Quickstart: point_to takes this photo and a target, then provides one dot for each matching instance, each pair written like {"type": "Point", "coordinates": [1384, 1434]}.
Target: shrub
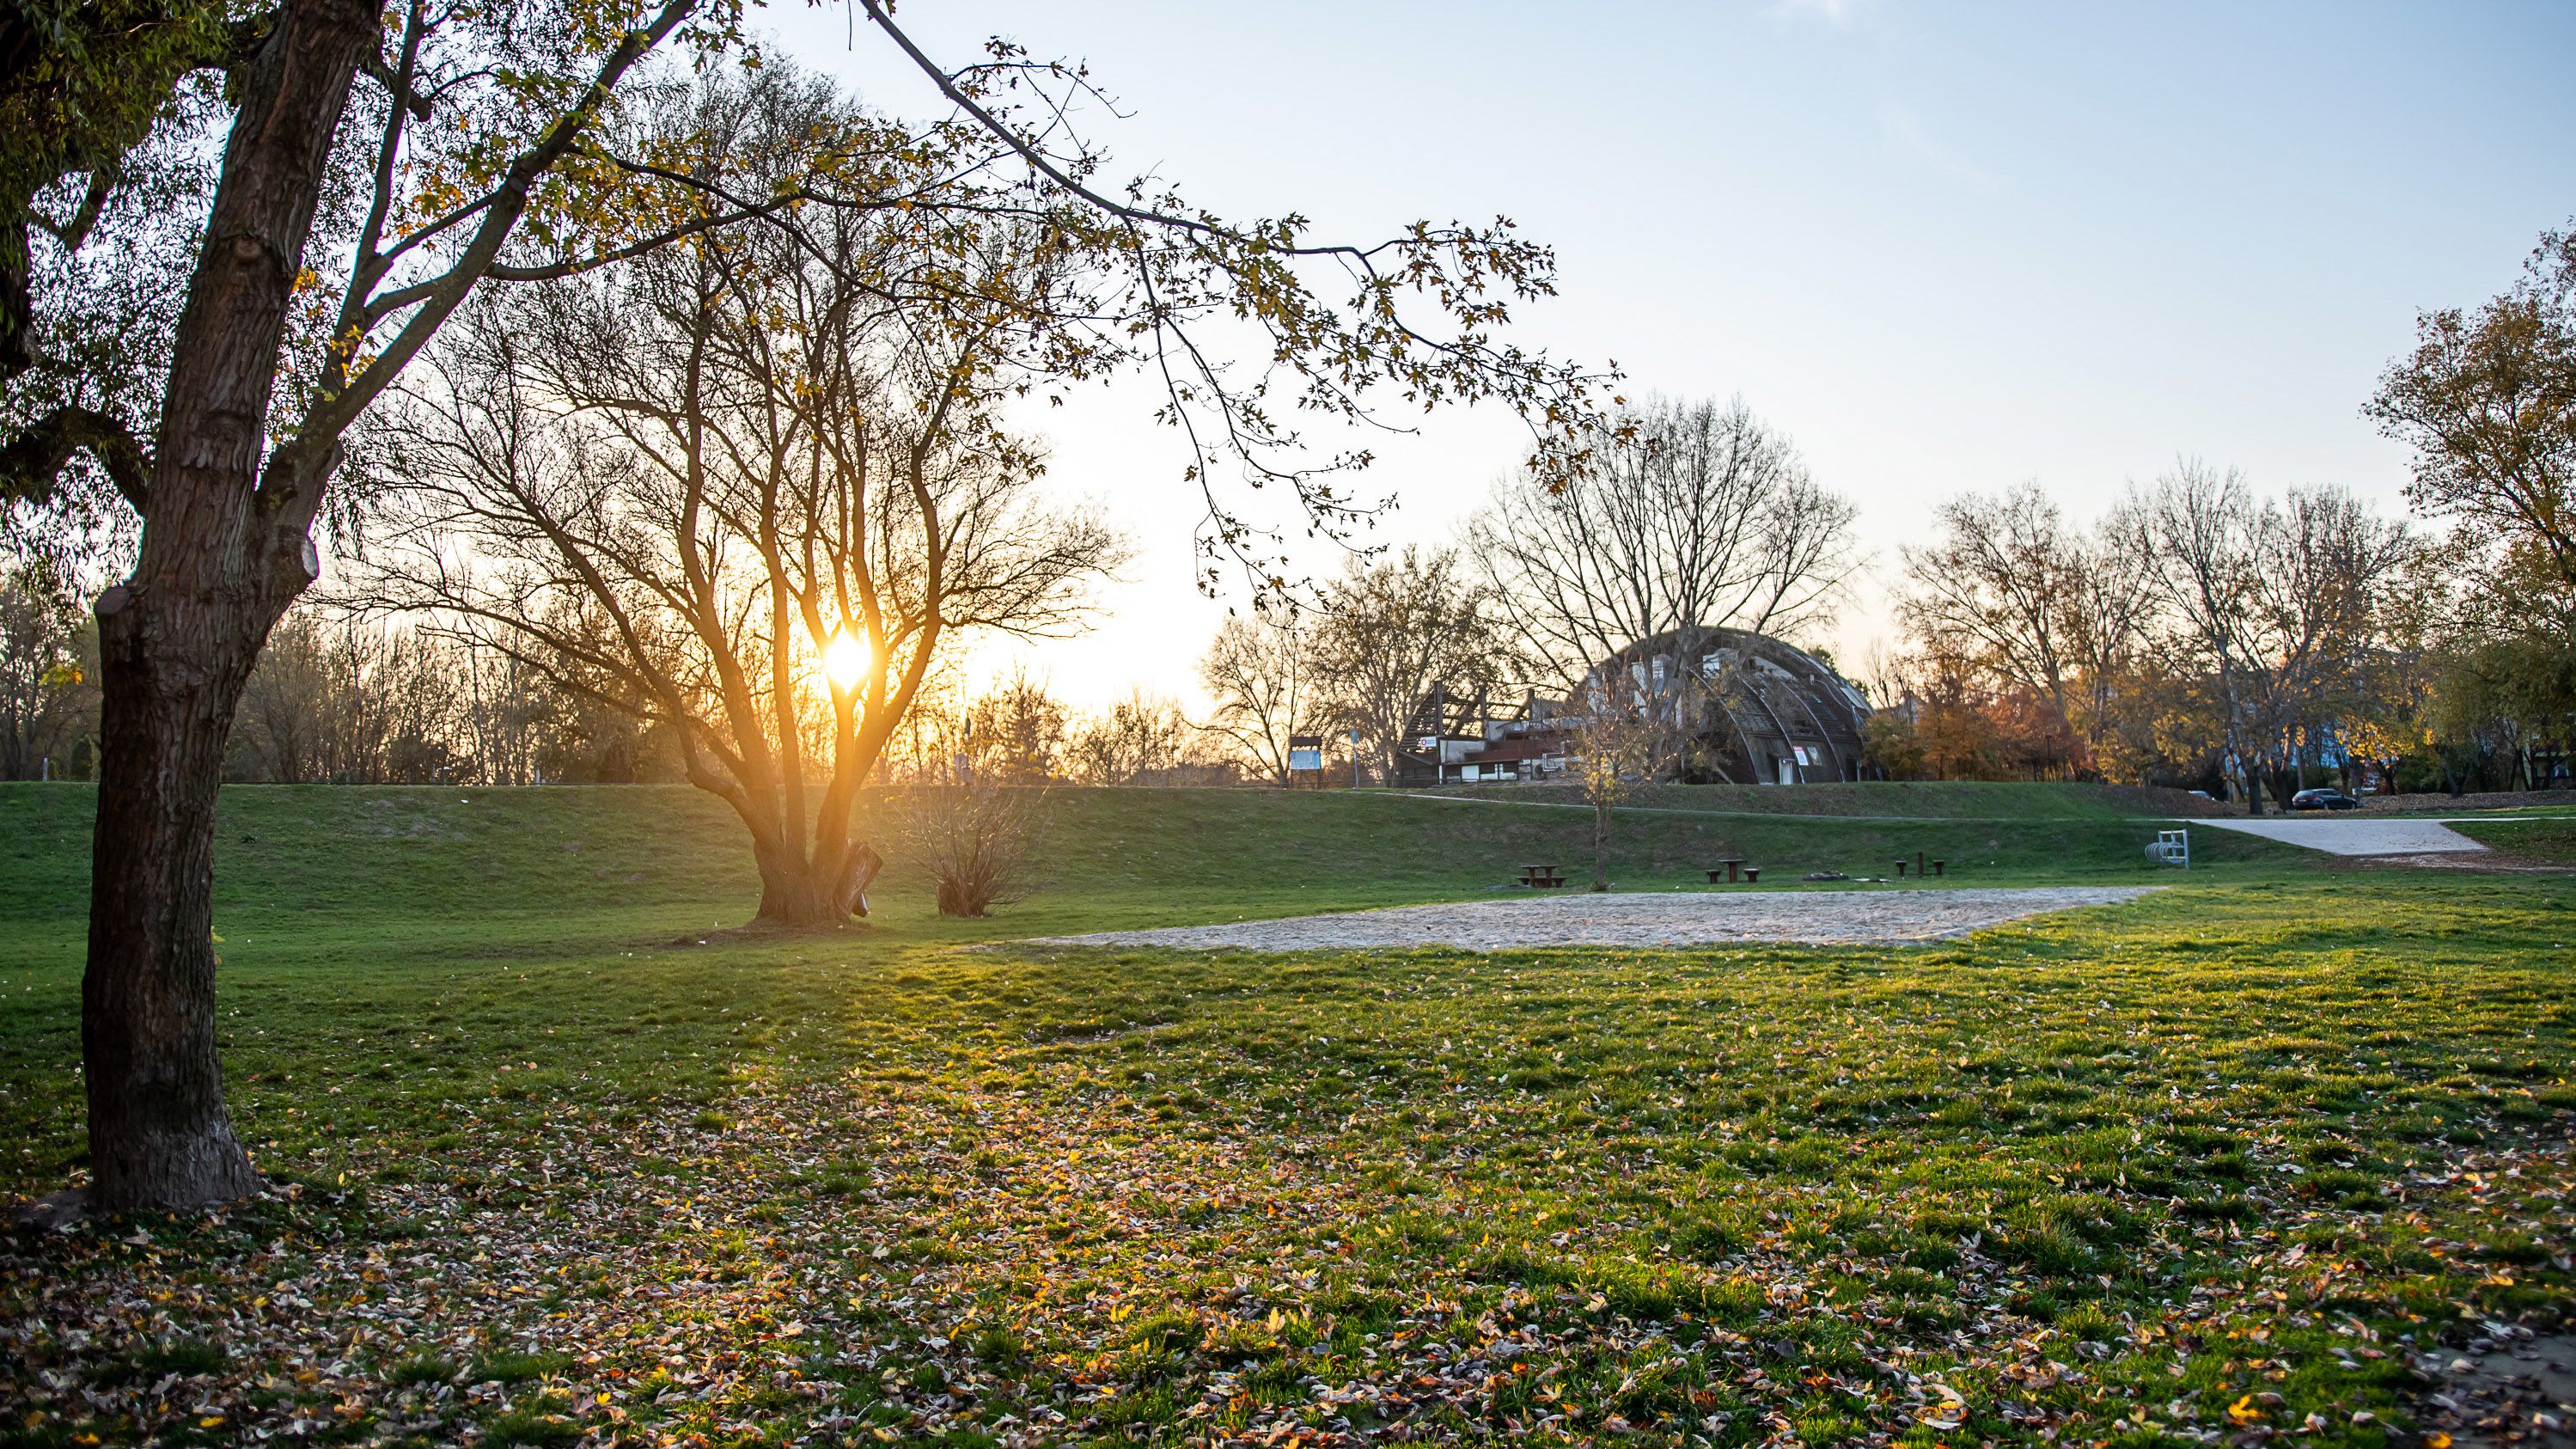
{"type": "Point", "coordinates": [974, 835]}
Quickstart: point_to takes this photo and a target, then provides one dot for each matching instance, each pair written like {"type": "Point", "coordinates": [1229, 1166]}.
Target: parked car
{"type": "Point", "coordinates": [2323, 799]}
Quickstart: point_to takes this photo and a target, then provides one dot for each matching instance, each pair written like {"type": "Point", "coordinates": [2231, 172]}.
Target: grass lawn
{"type": "Point", "coordinates": [2548, 838]}
{"type": "Point", "coordinates": [2226, 1163]}
{"type": "Point", "coordinates": [1927, 800]}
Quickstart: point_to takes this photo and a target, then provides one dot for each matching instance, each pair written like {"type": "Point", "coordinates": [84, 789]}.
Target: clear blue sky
{"type": "Point", "coordinates": [1945, 246]}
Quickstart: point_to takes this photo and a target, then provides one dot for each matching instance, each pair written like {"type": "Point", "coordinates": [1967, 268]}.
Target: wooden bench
{"type": "Point", "coordinates": [1541, 877]}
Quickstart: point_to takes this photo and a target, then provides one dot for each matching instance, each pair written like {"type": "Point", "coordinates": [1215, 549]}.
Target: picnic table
{"type": "Point", "coordinates": [1541, 877]}
{"type": "Point", "coordinates": [1732, 865]}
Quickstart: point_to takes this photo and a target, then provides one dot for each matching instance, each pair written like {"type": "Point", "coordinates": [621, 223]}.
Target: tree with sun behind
{"type": "Point", "coordinates": [725, 487]}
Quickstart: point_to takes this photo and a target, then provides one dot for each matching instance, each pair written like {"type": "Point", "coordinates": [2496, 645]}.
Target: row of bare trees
{"type": "Point", "coordinates": [2201, 630]}
{"type": "Point", "coordinates": [340, 698]}
{"type": "Point", "coordinates": [1016, 731]}
{"type": "Point", "coordinates": [2197, 626]}
{"type": "Point", "coordinates": [1379, 636]}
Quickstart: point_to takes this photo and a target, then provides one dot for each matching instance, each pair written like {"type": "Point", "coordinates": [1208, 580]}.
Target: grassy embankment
{"type": "Point", "coordinates": [2224, 1158]}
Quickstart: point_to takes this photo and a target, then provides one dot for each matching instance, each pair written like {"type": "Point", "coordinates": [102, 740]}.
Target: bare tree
{"type": "Point", "coordinates": [47, 688]}
{"type": "Point", "coordinates": [347, 702]}
{"type": "Point", "coordinates": [511, 713]}
{"type": "Point", "coordinates": [1616, 744]}
{"type": "Point", "coordinates": [1016, 731]}
{"type": "Point", "coordinates": [1394, 627]}
{"type": "Point", "coordinates": [1686, 518]}
{"type": "Point", "coordinates": [2008, 588]}
{"type": "Point", "coordinates": [1262, 672]}
{"type": "Point", "coordinates": [51, 560]}
{"type": "Point", "coordinates": [778, 496]}
{"type": "Point", "coordinates": [284, 703]}
{"type": "Point", "coordinates": [1139, 740]}
{"type": "Point", "coordinates": [2273, 606]}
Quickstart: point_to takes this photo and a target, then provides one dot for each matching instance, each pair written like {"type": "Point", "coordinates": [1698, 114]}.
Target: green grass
{"type": "Point", "coordinates": [2106, 1175]}
{"type": "Point", "coordinates": [1890, 799]}
{"type": "Point", "coordinates": [2550, 839]}
{"type": "Point", "coordinates": [1114, 857]}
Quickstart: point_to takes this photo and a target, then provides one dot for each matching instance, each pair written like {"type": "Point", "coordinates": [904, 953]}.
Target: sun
{"type": "Point", "coordinates": [845, 658]}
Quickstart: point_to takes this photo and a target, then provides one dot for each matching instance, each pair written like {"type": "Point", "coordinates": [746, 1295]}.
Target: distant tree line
{"type": "Point", "coordinates": [2205, 633]}
{"type": "Point", "coordinates": [345, 699]}
{"type": "Point", "coordinates": [2201, 633]}
{"type": "Point", "coordinates": [414, 670]}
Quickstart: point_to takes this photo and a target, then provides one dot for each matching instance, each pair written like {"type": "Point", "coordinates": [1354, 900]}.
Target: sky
{"type": "Point", "coordinates": [1942, 246]}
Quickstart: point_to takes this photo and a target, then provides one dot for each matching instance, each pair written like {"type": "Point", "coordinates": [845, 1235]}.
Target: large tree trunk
{"type": "Point", "coordinates": [177, 639]}
{"type": "Point", "coordinates": [826, 890]}
{"type": "Point", "coordinates": [159, 1135]}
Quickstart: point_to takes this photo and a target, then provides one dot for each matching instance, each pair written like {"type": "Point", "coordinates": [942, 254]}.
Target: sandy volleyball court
{"type": "Point", "coordinates": [1671, 918]}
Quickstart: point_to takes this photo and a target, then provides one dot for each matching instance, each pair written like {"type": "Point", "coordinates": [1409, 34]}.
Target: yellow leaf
{"type": "Point", "coordinates": [2244, 1412]}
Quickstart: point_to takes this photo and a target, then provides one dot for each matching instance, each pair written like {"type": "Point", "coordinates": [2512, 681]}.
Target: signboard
{"type": "Point", "coordinates": [1305, 752]}
{"type": "Point", "coordinates": [1801, 751]}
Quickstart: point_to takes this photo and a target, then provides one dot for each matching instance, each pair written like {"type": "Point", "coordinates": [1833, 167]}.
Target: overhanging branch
{"type": "Point", "coordinates": [31, 465]}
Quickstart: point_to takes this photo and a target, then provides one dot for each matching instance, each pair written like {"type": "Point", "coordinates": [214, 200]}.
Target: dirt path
{"type": "Point", "coordinates": [1677, 918]}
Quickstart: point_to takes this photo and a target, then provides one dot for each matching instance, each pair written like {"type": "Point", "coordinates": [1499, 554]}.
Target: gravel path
{"type": "Point", "coordinates": [2355, 834]}
{"type": "Point", "coordinates": [1673, 918]}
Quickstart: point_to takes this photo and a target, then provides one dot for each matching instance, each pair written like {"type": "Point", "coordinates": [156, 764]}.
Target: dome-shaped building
{"type": "Point", "coordinates": [1758, 712]}
{"type": "Point", "coordinates": [1763, 711]}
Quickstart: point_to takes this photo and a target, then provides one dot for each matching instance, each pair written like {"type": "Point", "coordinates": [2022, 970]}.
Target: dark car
{"type": "Point", "coordinates": [2323, 800]}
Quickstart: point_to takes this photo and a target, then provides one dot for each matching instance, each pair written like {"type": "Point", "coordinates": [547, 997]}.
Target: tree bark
{"type": "Point", "coordinates": [218, 565]}
{"type": "Point", "coordinates": [826, 890]}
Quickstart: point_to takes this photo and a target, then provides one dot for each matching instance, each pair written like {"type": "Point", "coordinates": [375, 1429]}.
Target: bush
{"type": "Point", "coordinates": [975, 836]}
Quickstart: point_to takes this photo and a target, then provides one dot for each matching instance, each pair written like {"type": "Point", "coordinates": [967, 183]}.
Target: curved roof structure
{"type": "Point", "coordinates": [1767, 712]}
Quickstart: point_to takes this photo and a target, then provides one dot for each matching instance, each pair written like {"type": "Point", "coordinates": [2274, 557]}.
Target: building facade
{"type": "Point", "coordinates": [1755, 710]}
{"type": "Point", "coordinates": [1744, 708]}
